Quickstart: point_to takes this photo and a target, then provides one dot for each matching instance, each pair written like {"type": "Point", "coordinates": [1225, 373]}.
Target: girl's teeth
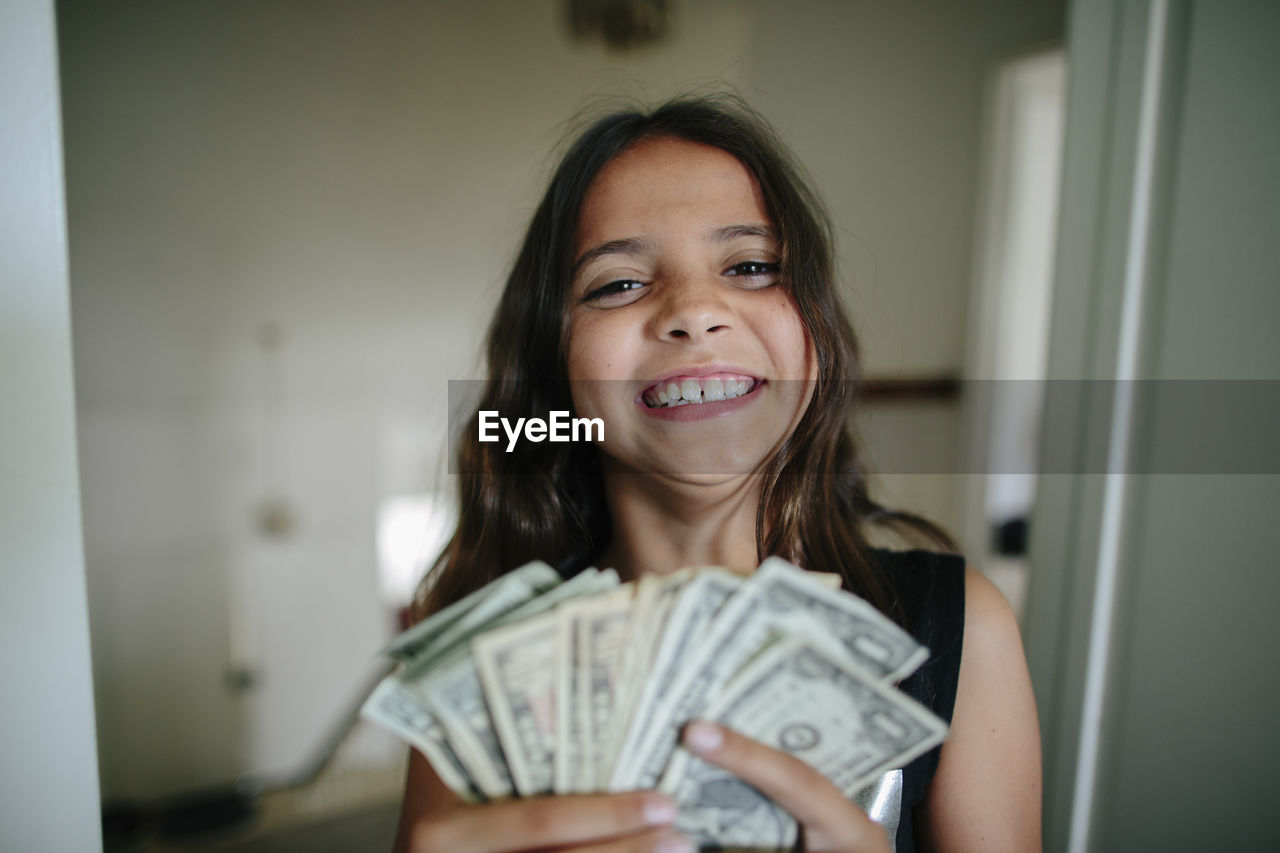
{"type": "Point", "coordinates": [692, 391]}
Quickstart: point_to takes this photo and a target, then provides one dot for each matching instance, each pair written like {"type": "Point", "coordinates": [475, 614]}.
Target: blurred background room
{"type": "Point", "coordinates": [287, 223]}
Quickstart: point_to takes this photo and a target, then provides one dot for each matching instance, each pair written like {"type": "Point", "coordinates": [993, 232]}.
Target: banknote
{"type": "Point", "coordinates": [602, 632]}
{"type": "Point", "coordinates": [569, 775]}
{"type": "Point", "coordinates": [396, 708]}
{"type": "Point", "coordinates": [450, 688]}
{"type": "Point", "coordinates": [803, 602]}
{"type": "Point", "coordinates": [655, 595]}
{"type": "Point", "coordinates": [453, 693]}
{"type": "Point", "coordinates": [821, 707]}
{"type": "Point", "coordinates": [399, 711]}
{"type": "Point", "coordinates": [435, 634]}
{"type": "Point", "coordinates": [535, 685]}
{"type": "Point", "coordinates": [517, 666]}
{"type": "Point", "coordinates": [778, 599]}
{"type": "Point", "coordinates": [590, 634]}
{"type": "Point", "coordinates": [696, 605]}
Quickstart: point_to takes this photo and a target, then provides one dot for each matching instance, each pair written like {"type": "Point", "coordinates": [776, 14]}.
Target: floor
{"type": "Point", "coordinates": [346, 809]}
{"type": "Point", "coordinates": [371, 829]}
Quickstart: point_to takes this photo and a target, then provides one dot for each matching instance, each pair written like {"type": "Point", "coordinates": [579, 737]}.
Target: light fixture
{"type": "Point", "coordinates": [623, 24]}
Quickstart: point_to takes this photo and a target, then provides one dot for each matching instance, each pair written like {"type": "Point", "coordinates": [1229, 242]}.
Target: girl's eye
{"type": "Point", "coordinates": [762, 272]}
{"type": "Point", "coordinates": [615, 292]}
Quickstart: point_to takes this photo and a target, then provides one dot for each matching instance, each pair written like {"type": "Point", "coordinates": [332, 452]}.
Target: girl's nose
{"type": "Point", "coordinates": [692, 312]}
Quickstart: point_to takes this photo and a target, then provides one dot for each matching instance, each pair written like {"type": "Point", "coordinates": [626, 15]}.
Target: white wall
{"type": "Point", "coordinates": [357, 177]}
{"type": "Point", "coordinates": [1190, 692]}
{"type": "Point", "coordinates": [48, 761]}
{"type": "Point", "coordinates": [884, 105]}
{"type": "Point", "coordinates": [1152, 625]}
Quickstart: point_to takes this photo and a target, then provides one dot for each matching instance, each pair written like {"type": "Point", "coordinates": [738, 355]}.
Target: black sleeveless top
{"type": "Point", "coordinates": [930, 588]}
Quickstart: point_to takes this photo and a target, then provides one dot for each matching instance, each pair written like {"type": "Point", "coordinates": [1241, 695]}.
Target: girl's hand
{"type": "Point", "coordinates": [591, 823]}
{"type": "Point", "coordinates": [829, 821]}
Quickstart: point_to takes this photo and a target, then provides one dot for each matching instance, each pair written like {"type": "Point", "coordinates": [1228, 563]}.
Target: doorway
{"type": "Point", "coordinates": [1005, 363]}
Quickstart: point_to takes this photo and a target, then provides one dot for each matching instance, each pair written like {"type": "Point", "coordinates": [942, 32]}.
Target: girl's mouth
{"type": "Point", "coordinates": [693, 390]}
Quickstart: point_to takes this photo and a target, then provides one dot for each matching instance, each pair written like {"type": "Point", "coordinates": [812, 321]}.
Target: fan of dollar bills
{"type": "Point", "coordinates": [535, 685]}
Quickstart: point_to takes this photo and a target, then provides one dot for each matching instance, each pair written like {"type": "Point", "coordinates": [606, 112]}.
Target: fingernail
{"type": "Point", "coordinates": [703, 737]}
{"type": "Point", "coordinates": [659, 810]}
{"type": "Point", "coordinates": [675, 844]}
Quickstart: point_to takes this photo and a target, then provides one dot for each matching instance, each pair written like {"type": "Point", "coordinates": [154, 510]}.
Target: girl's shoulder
{"type": "Point", "coordinates": [951, 608]}
{"type": "Point", "coordinates": [984, 792]}
{"type": "Point", "coordinates": [940, 599]}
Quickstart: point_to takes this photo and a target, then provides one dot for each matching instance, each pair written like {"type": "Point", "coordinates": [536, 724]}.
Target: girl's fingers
{"type": "Point", "coordinates": [830, 820]}
{"type": "Point", "coordinates": [788, 781]}
{"type": "Point", "coordinates": [652, 841]}
{"type": "Point", "coordinates": [535, 822]}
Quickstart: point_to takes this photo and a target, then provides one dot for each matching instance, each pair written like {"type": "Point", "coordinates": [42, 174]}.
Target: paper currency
{"type": "Point", "coordinates": [591, 637]}
{"type": "Point", "coordinates": [698, 602]}
{"type": "Point", "coordinates": [569, 775]}
{"type": "Point", "coordinates": [392, 707]}
{"type": "Point", "coordinates": [448, 686]}
{"type": "Point", "coordinates": [800, 698]}
{"type": "Point", "coordinates": [654, 598]}
{"type": "Point", "coordinates": [517, 668]}
{"type": "Point", "coordinates": [532, 685]}
{"type": "Point", "coordinates": [445, 626]}
{"type": "Point", "coordinates": [777, 600]}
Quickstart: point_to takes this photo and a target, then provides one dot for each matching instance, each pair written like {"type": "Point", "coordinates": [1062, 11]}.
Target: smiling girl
{"type": "Point", "coordinates": [676, 282]}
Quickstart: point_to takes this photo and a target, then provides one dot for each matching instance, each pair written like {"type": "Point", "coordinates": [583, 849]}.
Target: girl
{"type": "Point", "coordinates": [676, 282]}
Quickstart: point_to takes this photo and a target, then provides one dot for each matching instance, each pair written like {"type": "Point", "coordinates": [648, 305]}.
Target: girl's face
{"type": "Point", "coordinates": [682, 337]}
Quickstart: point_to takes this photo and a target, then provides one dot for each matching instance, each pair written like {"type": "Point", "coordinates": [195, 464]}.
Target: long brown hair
{"type": "Point", "coordinates": [547, 501]}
